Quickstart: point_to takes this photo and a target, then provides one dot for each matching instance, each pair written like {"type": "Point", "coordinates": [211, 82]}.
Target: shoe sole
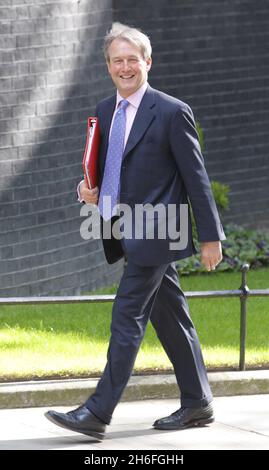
{"type": "Point", "coordinates": [96, 435]}
{"type": "Point", "coordinates": [191, 424]}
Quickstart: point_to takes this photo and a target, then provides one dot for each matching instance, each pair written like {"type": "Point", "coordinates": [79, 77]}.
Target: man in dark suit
{"type": "Point", "coordinates": [149, 156]}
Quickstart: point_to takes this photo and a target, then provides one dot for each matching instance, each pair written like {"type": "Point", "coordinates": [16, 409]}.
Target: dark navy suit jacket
{"type": "Point", "coordinates": [162, 163]}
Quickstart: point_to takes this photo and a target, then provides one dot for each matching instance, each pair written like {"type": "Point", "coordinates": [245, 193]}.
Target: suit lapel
{"type": "Point", "coordinates": [144, 117]}
{"type": "Point", "coordinates": [105, 123]}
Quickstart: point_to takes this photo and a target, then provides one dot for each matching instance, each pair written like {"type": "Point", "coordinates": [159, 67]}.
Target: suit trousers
{"type": "Point", "coordinates": [151, 292]}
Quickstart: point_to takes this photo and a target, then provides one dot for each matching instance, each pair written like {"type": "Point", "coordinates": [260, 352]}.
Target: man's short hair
{"type": "Point", "coordinates": [129, 34]}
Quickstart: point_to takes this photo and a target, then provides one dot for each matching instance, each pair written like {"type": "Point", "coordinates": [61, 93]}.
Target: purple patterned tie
{"type": "Point", "coordinates": [111, 179]}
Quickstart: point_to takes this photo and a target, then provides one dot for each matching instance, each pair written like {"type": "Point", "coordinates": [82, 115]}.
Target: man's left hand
{"type": "Point", "coordinates": [211, 254]}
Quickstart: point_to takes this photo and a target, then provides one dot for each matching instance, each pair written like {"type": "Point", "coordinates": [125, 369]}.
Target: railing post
{"type": "Point", "coordinates": [243, 316]}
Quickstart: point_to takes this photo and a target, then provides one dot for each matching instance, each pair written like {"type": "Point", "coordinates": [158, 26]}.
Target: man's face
{"type": "Point", "coordinates": [127, 67]}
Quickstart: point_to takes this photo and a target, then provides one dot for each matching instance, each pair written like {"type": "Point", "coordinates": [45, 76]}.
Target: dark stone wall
{"type": "Point", "coordinates": [213, 54]}
{"type": "Point", "coordinates": [52, 75]}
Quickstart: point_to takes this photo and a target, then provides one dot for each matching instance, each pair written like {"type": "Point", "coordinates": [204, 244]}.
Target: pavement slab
{"type": "Point", "coordinates": [242, 423]}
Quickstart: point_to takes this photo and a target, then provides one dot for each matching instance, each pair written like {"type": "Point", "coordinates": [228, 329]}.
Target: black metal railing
{"type": "Point", "coordinates": [243, 293]}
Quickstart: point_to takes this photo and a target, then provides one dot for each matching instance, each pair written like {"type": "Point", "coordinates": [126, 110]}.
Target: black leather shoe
{"type": "Point", "coordinates": [186, 418]}
{"type": "Point", "coordinates": [79, 420]}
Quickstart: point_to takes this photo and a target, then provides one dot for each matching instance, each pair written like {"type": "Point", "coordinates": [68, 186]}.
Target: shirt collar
{"type": "Point", "coordinates": [136, 98]}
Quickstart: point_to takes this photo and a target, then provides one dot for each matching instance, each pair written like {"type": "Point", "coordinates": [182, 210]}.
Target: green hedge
{"type": "Point", "coordinates": [242, 244]}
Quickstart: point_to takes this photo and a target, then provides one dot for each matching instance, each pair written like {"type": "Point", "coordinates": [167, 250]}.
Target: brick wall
{"type": "Point", "coordinates": [214, 54]}
{"type": "Point", "coordinates": [52, 75]}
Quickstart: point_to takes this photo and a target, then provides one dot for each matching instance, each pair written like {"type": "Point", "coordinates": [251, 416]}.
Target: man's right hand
{"type": "Point", "coordinates": [90, 196]}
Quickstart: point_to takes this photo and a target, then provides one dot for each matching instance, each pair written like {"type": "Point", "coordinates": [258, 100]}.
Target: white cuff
{"type": "Point", "coordinates": [80, 199]}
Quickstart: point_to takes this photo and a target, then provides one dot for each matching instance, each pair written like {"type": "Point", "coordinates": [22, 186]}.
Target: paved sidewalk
{"type": "Point", "coordinates": [242, 422]}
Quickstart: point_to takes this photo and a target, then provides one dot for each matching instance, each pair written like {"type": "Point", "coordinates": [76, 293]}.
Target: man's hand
{"type": "Point", "coordinates": [90, 196]}
{"type": "Point", "coordinates": [211, 254]}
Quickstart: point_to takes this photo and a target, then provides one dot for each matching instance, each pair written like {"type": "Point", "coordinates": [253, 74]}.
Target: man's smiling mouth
{"type": "Point", "coordinates": [127, 78]}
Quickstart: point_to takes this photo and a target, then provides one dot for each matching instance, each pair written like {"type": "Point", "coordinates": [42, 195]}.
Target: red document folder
{"type": "Point", "coordinates": [90, 159]}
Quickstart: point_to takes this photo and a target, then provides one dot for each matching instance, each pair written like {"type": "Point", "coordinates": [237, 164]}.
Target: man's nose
{"type": "Point", "coordinates": [125, 65]}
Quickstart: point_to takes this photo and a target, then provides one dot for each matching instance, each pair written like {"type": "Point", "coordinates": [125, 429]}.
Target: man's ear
{"type": "Point", "coordinates": [149, 63]}
{"type": "Point", "coordinates": [108, 65]}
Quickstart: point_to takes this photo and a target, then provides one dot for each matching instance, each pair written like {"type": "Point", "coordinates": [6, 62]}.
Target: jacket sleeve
{"type": "Point", "coordinates": [186, 150]}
